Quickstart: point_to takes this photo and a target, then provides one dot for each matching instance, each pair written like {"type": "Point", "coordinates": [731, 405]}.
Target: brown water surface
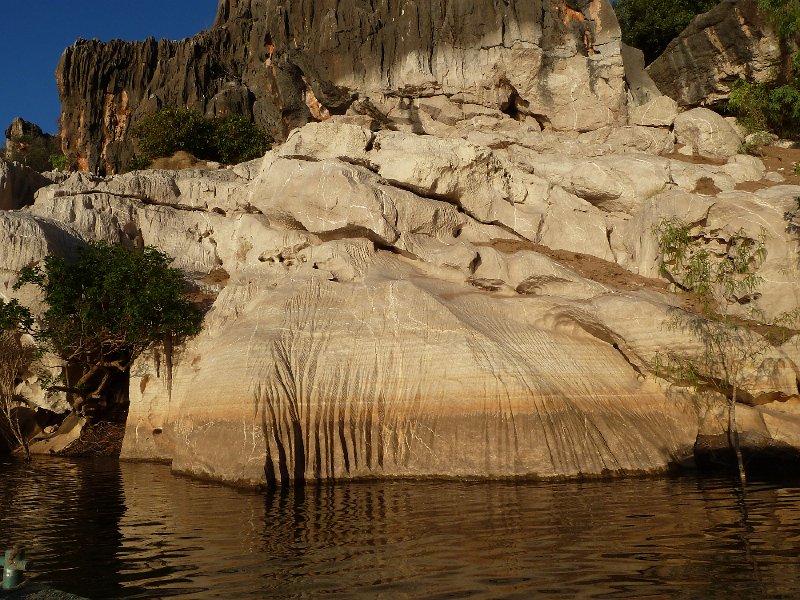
{"type": "Point", "coordinates": [104, 530]}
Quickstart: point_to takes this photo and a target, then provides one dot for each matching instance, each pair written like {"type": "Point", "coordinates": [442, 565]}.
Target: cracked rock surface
{"type": "Point", "coordinates": [287, 62]}
{"type": "Point", "coordinates": [390, 304]}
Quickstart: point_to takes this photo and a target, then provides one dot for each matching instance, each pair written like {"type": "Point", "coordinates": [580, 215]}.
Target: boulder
{"type": "Point", "coordinates": [614, 183]}
{"type": "Point", "coordinates": [18, 184]}
{"type": "Point", "coordinates": [658, 112]}
{"type": "Point", "coordinates": [732, 41]}
{"type": "Point", "coordinates": [640, 85]}
{"type": "Point", "coordinates": [707, 133]}
{"type": "Point", "coordinates": [437, 382]}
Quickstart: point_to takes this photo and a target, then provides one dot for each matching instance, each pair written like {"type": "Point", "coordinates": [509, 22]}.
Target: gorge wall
{"type": "Point", "coordinates": [387, 304]}
{"type": "Point", "coordinates": [285, 63]}
{"type": "Point", "coordinates": [453, 273]}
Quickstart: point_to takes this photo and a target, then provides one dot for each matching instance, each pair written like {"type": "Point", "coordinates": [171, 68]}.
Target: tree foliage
{"type": "Point", "coordinates": [38, 152]}
{"type": "Point", "coordinates": [784, 15]}
{"type": "Point", "coordinates": [102, 311]}
{"type": "Point", "coordinates": [767, 107]}
{"type": "Point", "coordinates": [651, 25]}
{"type": "Point", "coordinates": [231, 139]}
{"type": "Point", "coordinates": [14, 359]}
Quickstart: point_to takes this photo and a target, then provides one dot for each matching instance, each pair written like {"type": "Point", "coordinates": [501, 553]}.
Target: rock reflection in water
{"type": "Point", "coordinates": [135, 530]}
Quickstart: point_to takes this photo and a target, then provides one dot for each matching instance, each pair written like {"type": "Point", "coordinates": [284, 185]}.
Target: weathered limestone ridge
{"type": "Point", "coordinates": [387, 304]}
{"type": "Point", "coordinates": [447, 267]}
{"type": "Point", "coordinates": [286, 63]}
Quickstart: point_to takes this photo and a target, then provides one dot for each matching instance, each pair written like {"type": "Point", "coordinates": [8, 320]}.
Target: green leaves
{"type": "Point", "coordinates": [727, 274]}
{"type": "Point", "coordinates": [104, 309]}
{"type": "Point", "coordinates": [785, 16]}
{"type": "Point", "coordinates": [14, 316]}
{"type": "Point", "coordinates": [767, 107]}
{"type": "Point", "coordinates": [230, 139]}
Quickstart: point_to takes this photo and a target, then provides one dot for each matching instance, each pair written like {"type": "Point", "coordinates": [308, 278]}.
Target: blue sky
{"type": "Point", "coordinates": [34, 33]}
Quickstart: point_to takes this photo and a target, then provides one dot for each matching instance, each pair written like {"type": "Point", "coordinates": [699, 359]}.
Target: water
{"type": "Point", "coordinates": [104, 530]}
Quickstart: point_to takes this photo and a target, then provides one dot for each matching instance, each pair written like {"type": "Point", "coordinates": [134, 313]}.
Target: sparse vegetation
{"type": "Point", "coordinates": [765, 107]}
{"type": "Point", "coordinates": [14, 359]}
{"type": "Point", "coordinates": [722, 278]}
{"type": "Point", "coordinates": [775, 105]}
{"type": "Point", "coordinates": [232, 139]}
{"type": "Point", "coordinates": [38, 152]}
{"type": "Point", "coordinates": [58, 162]}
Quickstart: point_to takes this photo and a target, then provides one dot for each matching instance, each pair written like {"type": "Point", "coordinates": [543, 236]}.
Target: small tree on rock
{"type": "Point", "coordinates": [103, 310]}
{"type": "Point", "coordinates": [730, 349]}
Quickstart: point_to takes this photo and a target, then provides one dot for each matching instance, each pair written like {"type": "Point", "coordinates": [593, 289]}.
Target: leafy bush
{"type": "Point", "coordinates": [766, 107]}
{"type": "Point", "coordinates": [15, 358]}
{"type": "Point", "coordinates": [34, 151]}
{"type": "Point", "coordinates": [236, 139]}
{"type": "Point", "coordinates": [651, 25]}
{"type": "Point", "coordinates": [785, 16]}
{"type": "Point", "coordinates": [103, 310]}
{"type": "Point", "coordinates": [138, 163]}
{"type": "Point", "coordinates": [58, 161]}
{"type": "Point", "coordinates": [172, 129]}
{"type": "Point", "coordinates": [230, 139]}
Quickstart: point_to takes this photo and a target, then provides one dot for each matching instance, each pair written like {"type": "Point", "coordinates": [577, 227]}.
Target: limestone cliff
{"type": "Point", "coordinates": [288, 62]}
{"type": "Point", "coordinates": [392, 304]}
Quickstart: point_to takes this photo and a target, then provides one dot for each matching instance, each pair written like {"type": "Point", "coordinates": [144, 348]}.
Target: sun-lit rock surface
{"type": "Point", "coordinates": [459, 280]}
{"type": "Point", "coordinates": [376, 314]}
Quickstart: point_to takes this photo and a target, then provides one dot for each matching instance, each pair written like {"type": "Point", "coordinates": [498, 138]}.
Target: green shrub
{"type": "Point", "coordinates": [138, 163]}
{"type": "Point", "coordinates": [58, 161]}
{"type": "Point", "coordinates": [767, 107]}
{"type": "Point", "coordinates": [230, 140]}
{"type": "Point", "coordinates": [103, 310]}
{"type": "Point", "coordinates": [785, 16]}
{"type": "Point", "coordinates": [172, 129]}
{"type": "Point", "coordinates": [236, 139]}
{"type": "Point", "coordinates": [33, 151]}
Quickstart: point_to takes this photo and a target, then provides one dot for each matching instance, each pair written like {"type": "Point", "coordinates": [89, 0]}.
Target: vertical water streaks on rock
{"type": "Point", "coordinates": [422, 384]}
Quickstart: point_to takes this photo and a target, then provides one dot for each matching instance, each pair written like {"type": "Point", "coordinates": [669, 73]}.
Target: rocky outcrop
{"type": "Point", "coordinates": [286, 63]}
{"type": "Point", "coordinates": [732, 41]}
{"type": "Point", "coordinates": [27, 144]}
{"type": "Point", "coordinates": [393, 304]}
{"type": "Point", "coordinates": [18, 184]}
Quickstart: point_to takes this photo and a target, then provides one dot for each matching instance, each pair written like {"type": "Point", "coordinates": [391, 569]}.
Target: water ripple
{"type": "Point", "coordinates": [105, 530]}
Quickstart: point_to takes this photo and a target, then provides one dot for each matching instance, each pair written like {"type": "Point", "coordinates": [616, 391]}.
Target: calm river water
{"type": "Point", "coordinates": [104, 530]}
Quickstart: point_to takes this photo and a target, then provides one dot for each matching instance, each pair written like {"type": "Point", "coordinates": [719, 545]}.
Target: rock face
{"type": "Point", "coordinates": [18, 184]}
{"type": "Point", "coordinates": [286, 63]}
{"type": "Point", "coordinates": [729, 42]}
{"type": "Point", "coordinates": [393, 304]}
{"type": "Point", "coordinates": [451, 271]}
